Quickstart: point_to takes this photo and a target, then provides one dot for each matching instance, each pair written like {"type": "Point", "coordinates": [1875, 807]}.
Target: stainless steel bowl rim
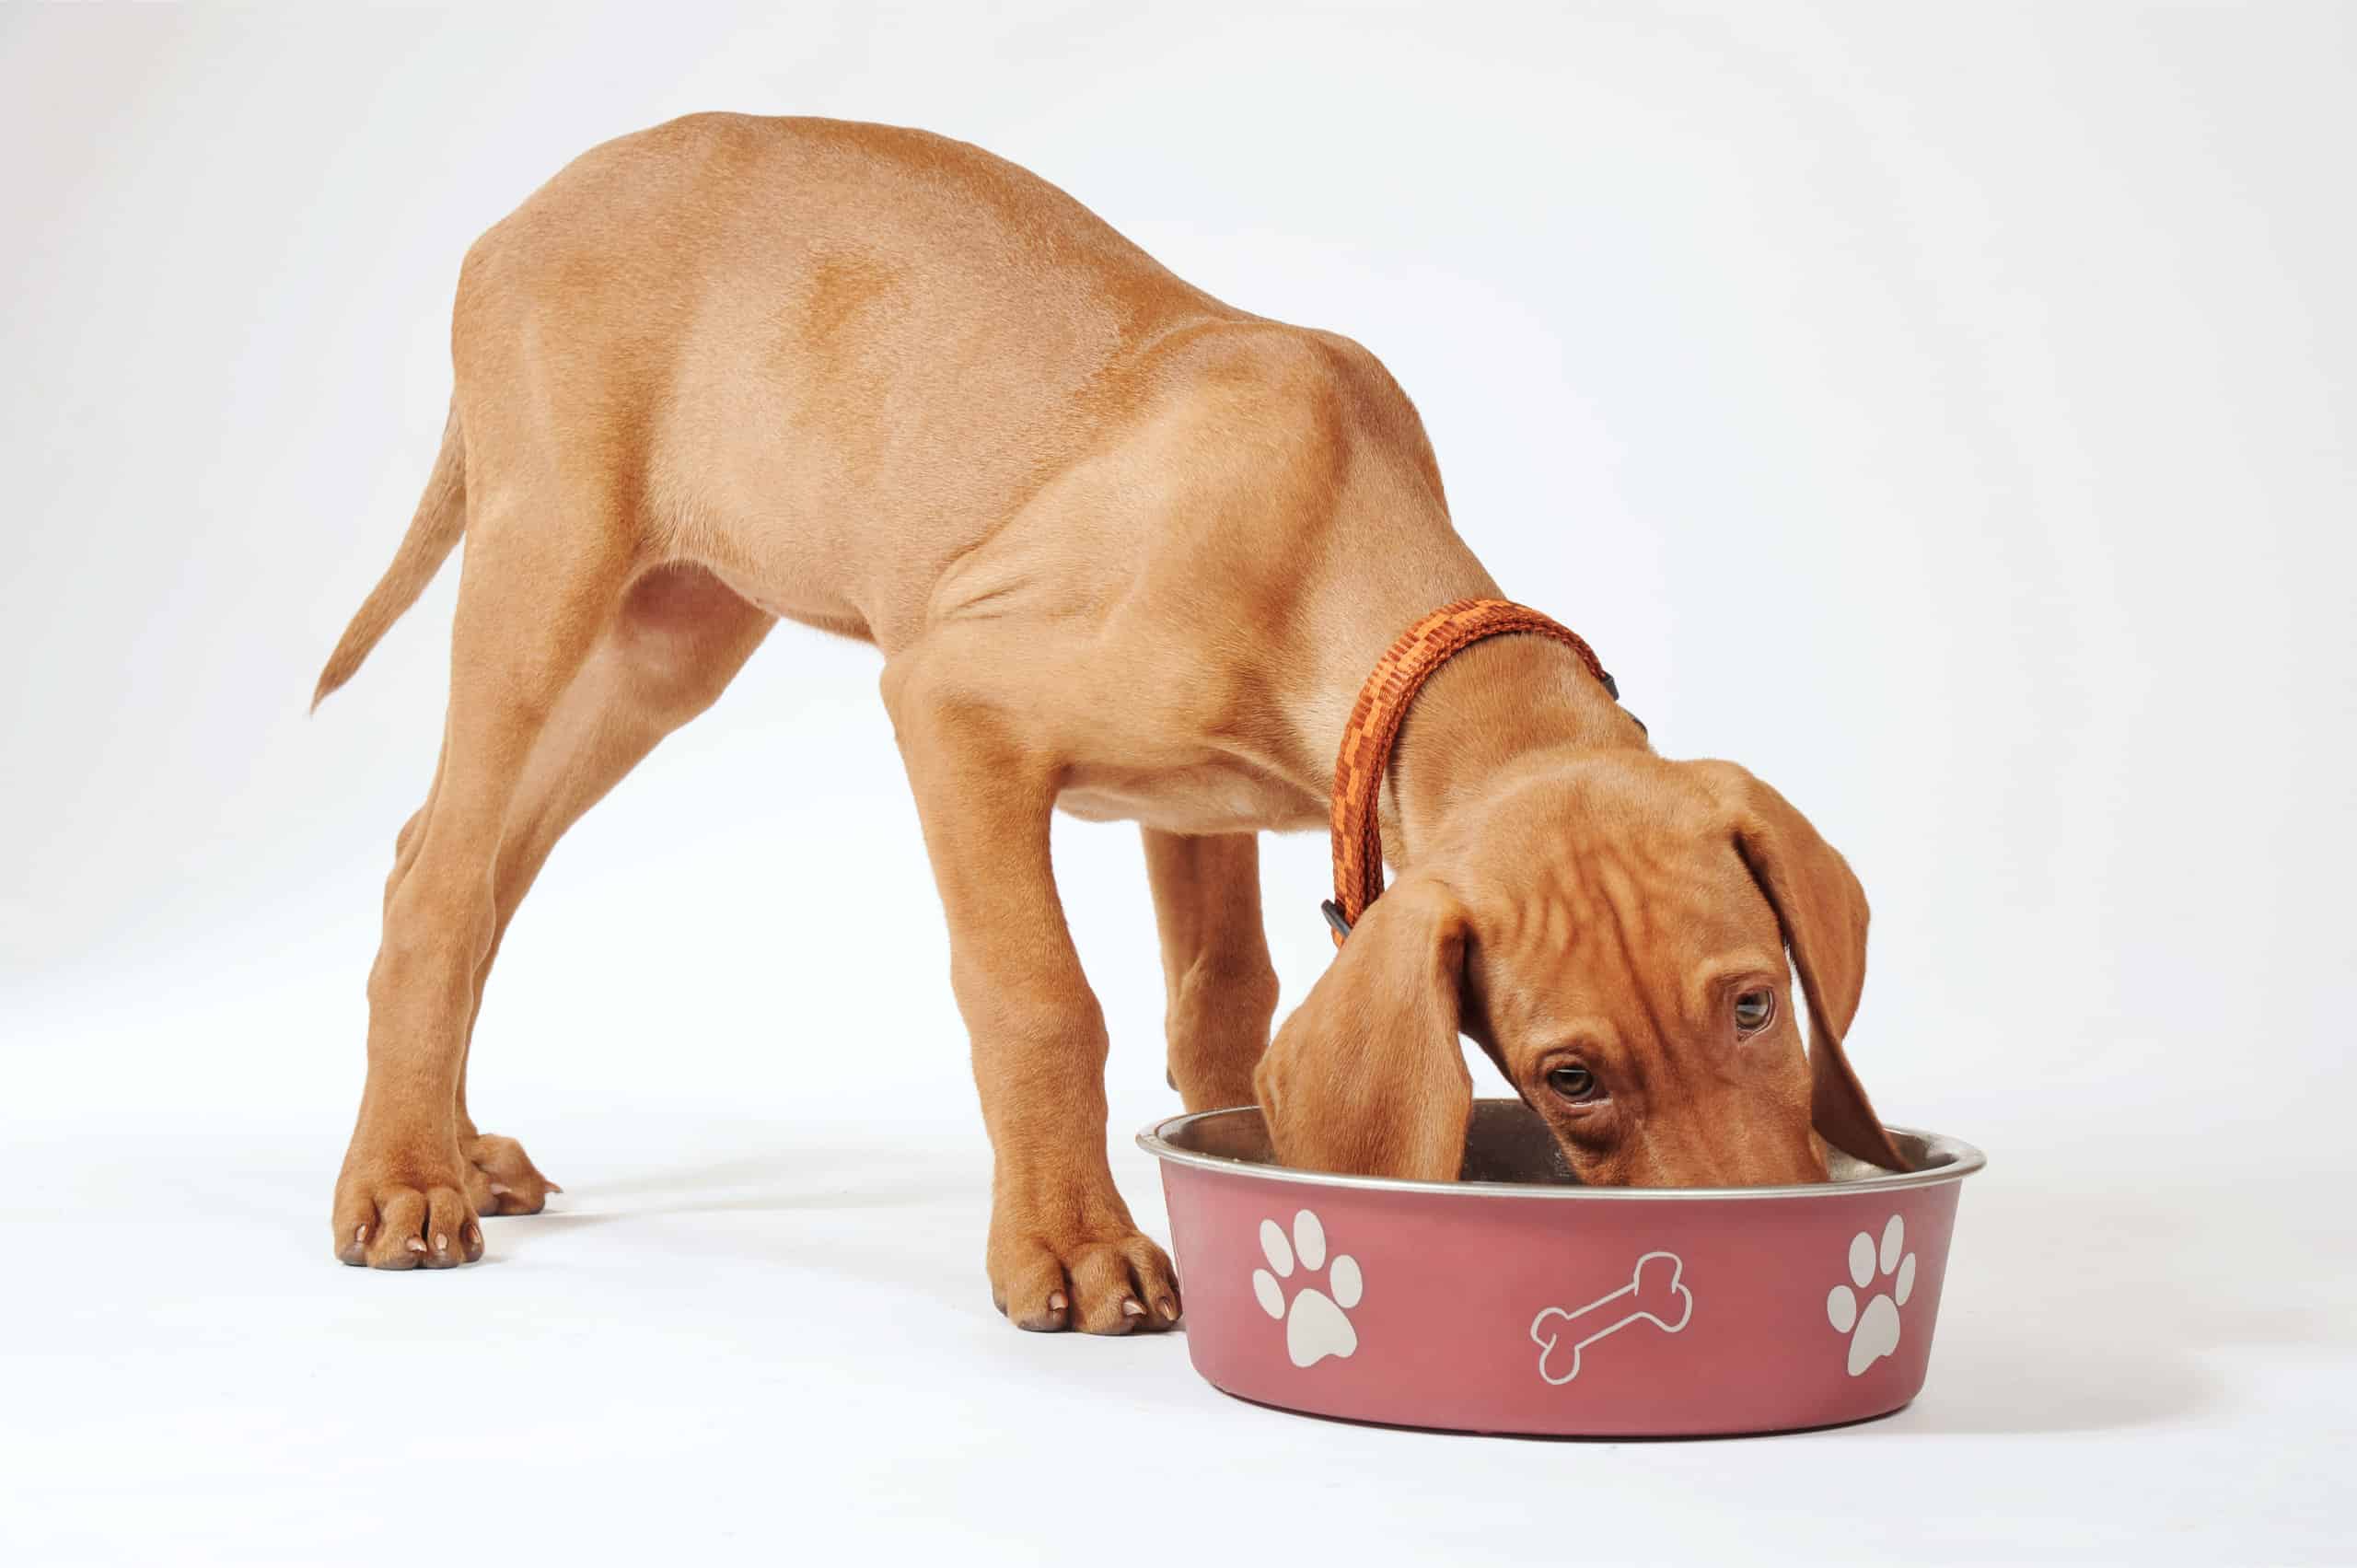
{"type": "Point", "coordinates": [1962, 1160]}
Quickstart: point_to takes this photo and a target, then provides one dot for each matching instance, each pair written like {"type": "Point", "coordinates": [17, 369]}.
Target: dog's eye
{"type": "Point", "coordinates": [1753, 1009]}
{"type": "Point", "coordinates": [1571, 1081]}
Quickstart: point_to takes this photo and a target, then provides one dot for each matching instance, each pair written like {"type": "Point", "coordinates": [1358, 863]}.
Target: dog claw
{"type": "Point", "coordinates": [1056, 1301]}
{"type": "Point", "coordinates": [415, 1244]}
{"type": "Point", "coordinates": [1169, 1310]}
{"type": "Point", "coordinates": [1129, 1308]}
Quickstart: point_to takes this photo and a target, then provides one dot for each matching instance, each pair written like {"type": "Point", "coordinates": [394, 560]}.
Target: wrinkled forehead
{"type": "Point", "coordinates": [1599, 901]}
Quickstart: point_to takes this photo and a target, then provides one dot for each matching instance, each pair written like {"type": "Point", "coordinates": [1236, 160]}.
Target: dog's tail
{"type": "Point", "coordinates": [441, 519]}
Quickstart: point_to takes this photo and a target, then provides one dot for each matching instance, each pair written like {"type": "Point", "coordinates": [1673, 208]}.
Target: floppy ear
{"type": "Point", "coordinates": [1823, 911]}
{"type": "Point", "coordinates": [1366, 1077]}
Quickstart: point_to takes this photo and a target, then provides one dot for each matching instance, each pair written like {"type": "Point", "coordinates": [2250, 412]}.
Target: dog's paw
{"type": "Point", "coordinates": [500, 1179]}
{"type": "Point", "coordinates": [1115, 1283]}
{"type": "Point", "coordinates": [398, 1215]}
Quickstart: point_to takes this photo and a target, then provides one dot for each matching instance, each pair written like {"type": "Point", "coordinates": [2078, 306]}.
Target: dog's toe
{"type": "Point", "coordinates": [398, 1240]}
{"type": "Point", "coordinates": [502, 1179]}
{"type": "Point", "coordinates": [1031, 1290]}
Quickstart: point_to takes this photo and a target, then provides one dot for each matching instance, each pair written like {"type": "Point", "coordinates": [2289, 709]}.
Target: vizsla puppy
{"type": "Point", "coordinates": [1128, 552]}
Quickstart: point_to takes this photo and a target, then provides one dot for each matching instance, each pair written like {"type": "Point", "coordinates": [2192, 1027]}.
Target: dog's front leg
{"type": "Point", "coordinates": [1063, 1251]}
{"type": "Point", "coordinates": [1221, 984]}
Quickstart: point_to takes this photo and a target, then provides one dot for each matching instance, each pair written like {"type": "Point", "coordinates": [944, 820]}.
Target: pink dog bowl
{"type": "Point", "coordinates": [1515, 1301]}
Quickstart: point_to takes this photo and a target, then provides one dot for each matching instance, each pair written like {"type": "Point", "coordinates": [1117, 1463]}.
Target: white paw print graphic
{"type": "Point", "coordinates": [1316, 1324]}
{"type": "Point", "coordinates": [1874, 1334]}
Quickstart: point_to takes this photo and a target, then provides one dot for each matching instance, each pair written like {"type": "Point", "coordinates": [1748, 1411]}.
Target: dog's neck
{"type": "Point", "coordinates": [1492, 704]}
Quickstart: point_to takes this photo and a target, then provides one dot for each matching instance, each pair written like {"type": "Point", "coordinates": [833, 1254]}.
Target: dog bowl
{"type": "Point", "coordinates": [1516, 1300]}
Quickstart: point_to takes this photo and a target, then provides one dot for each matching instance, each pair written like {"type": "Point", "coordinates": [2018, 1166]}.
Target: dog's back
{"type": "Point", "coordinates": [873, 378]}
{"type": "Point", "coordinates": [805, 336]}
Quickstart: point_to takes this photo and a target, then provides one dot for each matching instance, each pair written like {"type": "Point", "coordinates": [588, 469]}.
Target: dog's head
{"type": "Point", "coordinates": [1612, 930]}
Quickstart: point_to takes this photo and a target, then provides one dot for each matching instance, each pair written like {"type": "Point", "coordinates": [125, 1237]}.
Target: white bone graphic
{"type": "Point", "coordinates": [1651, 1295]}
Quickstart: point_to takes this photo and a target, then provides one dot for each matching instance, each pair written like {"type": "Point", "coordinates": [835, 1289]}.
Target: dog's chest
{"type": "Point", "coordinates": [1225, 795]}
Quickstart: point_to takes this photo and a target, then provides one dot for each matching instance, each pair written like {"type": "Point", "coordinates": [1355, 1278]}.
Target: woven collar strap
{"type": "Point", "coordinates": [1367, 740]}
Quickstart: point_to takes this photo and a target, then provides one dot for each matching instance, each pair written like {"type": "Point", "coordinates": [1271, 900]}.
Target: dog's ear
{"type": "Point", "coordinates": [1823, 911]}
{"type": "Point", "coordinates": [1366, 1077]}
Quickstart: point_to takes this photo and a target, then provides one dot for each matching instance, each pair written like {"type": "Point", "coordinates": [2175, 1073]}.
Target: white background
{"type": "Point", "coordinates": [1945, 411]}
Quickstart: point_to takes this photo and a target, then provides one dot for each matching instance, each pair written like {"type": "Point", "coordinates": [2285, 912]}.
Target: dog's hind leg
{"type": "Point", "coordinates": [681, 637]}
{"type": "Point", "coordinates": [1222, 988]}
{"type": "Point", "coordinates": [545, 574]}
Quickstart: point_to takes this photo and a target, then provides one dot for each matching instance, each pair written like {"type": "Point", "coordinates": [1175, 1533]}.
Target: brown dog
{"type": "Point", "coordinates": [1127, 551]}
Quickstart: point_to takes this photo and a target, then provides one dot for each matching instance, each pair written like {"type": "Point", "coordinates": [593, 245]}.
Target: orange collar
{"type": "Point", "coordinates": [1374, 729]}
